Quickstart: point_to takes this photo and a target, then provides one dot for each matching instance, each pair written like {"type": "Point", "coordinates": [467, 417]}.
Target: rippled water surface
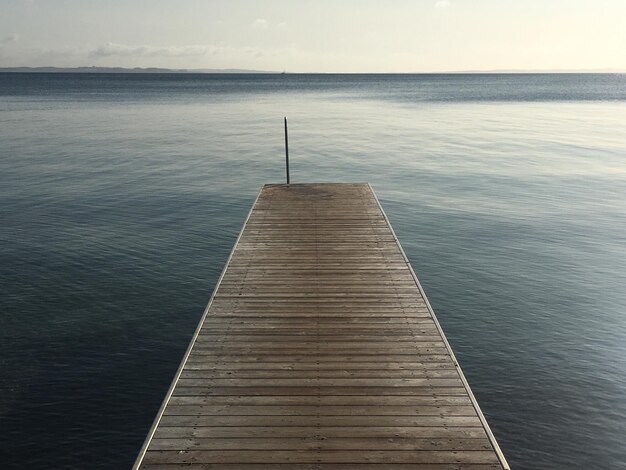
{"type": "Point", "coordinates": [121, 197]}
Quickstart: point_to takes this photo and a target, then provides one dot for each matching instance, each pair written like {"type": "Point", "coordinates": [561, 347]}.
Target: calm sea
{"type": "Point", "coordinates": [121, 197]}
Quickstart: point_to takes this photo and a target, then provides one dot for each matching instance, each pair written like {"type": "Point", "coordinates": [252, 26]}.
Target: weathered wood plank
{"type": "Point", "coordinates": [318, 466]}
{"type": "Point", "coordinates": [314, 456]}
{"type": "Point", "coordinates": [317, 443]}
{"type": "Point", "coordinates": [382, 432]}
{"type": "Point", "coordinates": [319, 367]}
{"type": "Point", "coordinates": [315, 400]}
{"type": "Point", "coordinates": [315, 410]}
{"type": "Point", "coordinates": [211, 356]}
{"type": "Point", "coordinates": [316, 421]}
{"type": "Point", "coordinates": [334, 382]}
{"type": "Point", "coordinates": [190, 373]}
{"type": "Point", "coordinates": [319, 351]}
{"type": "Point", "coordinates": [320, 391]}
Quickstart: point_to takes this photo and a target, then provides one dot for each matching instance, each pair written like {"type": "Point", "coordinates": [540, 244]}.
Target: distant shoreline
{"type": "Point", "coordinates": [155, 70]}
{"type": "Point", "coordinates": [123, 70]}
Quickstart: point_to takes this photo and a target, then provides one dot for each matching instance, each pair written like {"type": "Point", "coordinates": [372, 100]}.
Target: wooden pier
{"type": "Point", "coordinates": [319, 350]}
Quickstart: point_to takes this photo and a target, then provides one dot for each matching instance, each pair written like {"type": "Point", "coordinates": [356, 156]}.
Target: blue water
{"type": "Point", "coordinates": [121, 196]}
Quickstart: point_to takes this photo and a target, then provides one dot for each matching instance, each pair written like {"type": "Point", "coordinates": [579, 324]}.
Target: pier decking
{"type": "Point", "coordinates": [319, 350]}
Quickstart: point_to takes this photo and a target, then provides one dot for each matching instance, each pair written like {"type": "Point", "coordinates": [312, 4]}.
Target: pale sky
{"type": "Point", "coordinates": [316, 35]}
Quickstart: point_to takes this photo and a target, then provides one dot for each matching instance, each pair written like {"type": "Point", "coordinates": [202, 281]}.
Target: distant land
{"type": "Point", "coordinates": [504, 71]}
{"type": "Point", "coordinates": [94, 69]}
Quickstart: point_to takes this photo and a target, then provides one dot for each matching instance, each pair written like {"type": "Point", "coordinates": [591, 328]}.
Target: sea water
{"type": "Point", "coordinates": [122, 195]}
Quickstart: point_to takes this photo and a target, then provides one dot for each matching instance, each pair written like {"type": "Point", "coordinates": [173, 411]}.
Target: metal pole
{"type": "Point", "coordinates": [286, 151]}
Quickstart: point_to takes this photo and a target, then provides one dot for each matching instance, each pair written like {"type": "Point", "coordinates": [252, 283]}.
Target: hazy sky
{"type": "Point", "coordinates": [316, 35]}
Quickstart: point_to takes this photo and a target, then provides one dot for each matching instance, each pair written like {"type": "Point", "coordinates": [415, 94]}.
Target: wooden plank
{"type": "Point", "coordinates": [311, 456]}
{"type": "Point", "coordinates": [190, 373]}
{"type": "Point", "coordinates": [320, 367]}
{"type": "Point", "coordinates": [211, 356]}
{"type": "Point", "coordinates": [334, 382]}
{"type": "Point", "coordinates": [318, 466]}
{"type": "Point", "coordinates": [315, 400]}
{"type": "Point", "coordinates": [316, 421]}
{"type": "Point", "coordinates": [313, 327]}
{"type": "Point", "coordinates": [318, 410]}
{"type": "Point", "coordinates": [322, 444]}
{"type": "Point", "coordinates": [305, 340]}
{"type": "Point", "coordinates": [319, 350]}
{"type": "Point", "coordinates": [391, 432]}
{"type": "Point", "coordinates": [427, 390]}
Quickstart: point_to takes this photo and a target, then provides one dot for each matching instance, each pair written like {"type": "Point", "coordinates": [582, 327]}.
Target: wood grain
{"type": "Point", "coordinates": [319, 351]}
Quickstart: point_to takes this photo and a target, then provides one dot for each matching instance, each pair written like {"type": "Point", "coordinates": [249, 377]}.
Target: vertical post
{"type": "Point", "coordinates": [286, 151]}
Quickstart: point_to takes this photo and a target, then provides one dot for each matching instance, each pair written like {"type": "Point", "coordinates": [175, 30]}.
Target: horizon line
{"type": "Point", "coordinates": [234, 70]}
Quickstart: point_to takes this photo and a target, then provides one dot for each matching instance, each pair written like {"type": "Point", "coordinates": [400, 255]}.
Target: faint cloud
{"type": "Point", "coordinates": [442, 4]}
{"type": "Point", "coordinates": [61, 56]}
{"type": "Point", "coordinates": [10, 38]}
{"type": "Point", "coordinates": [254, 52]}
{"type": "Point", "coordinates": [260, 24]}
{"type": "Point", "coordinates": [123, 50]}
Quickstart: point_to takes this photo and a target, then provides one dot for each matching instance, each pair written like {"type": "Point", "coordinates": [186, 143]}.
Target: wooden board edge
{"type": "Point", "coordinates": [168, 396]}
{"type": "Point", "coordinates": [481, 416]}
